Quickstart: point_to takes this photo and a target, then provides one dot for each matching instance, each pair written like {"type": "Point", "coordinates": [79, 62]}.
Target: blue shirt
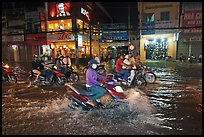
{"type": "Point", "coordinates": [91, 77]}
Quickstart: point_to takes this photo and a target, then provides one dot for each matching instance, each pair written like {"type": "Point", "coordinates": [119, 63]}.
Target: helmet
{"type": "Point", "coordinates": [35, 56]}
{"type": "Point", "coordinates": [127, 56]}
{"type": "Point", "coordinates": [61, 56]}
{"type": "Point", "coordinates": [92, 61]}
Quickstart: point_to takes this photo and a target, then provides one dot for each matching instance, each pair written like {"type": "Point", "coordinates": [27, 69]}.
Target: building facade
{"type": "Point", "coordinates": [71, 28]}
{"type": "Point", "coordinates": [158, 34]}
{"type": "Point", "coordinates": [190, 41]}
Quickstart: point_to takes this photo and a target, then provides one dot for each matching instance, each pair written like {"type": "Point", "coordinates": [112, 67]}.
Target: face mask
{"type": "Point", "coordinates": [94, 66]}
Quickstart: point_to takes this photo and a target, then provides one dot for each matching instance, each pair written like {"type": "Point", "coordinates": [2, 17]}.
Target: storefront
{"type": "Point", "coordinates": [37, 44]}
{"type": "Point", "coordinates": [158, 44]}
{"type": "Point", "coordinates": [65, 44]}
{"type": "Point", "coordinates": [158, 47]}
{"type": "Point", "coordinates": [68, 25]}
{"type": "Point", "coordinates": [64, 17]}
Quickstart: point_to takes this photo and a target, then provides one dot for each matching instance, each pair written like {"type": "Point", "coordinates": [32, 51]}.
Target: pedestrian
{"type": "Point", "coordinates": [97, 58]}
{"type": "Point", "coordinates": [200, 58]}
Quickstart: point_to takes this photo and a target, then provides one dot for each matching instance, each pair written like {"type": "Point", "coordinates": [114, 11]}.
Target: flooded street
{"type": "Point", "coordinates": [168, 107]}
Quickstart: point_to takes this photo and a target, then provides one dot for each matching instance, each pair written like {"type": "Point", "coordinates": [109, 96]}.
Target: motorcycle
{"type": "Point", "coordinates": [78, 94]}
{"type": "Point", "coordinates": [136, 78]}
{"type": "Point", "coordinates": [149, 75]}
{"type": "Point", "coordinates": [8, 74]}
{"type": "Point", "coordinates": [56, 78]}
{"type": "Point", "coordinates": [100, 69]}
{"type": "Point", "coordinates": [192, 59]}
{"type": "Point", "coordinates": [71, 75]}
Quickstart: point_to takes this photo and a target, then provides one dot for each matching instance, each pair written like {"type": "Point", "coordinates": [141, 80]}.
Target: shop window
{"type": "Point", "coordinates": [165, 15]}
{"type": "Point", "coordinates": [79, 23]}
{"type": "Point", "coordinates": [60, 25]}
{"type": "Point", "coordinates": [86, 28]}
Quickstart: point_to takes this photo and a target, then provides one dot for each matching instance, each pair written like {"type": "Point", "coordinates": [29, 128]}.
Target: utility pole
{"type": "Point", "coordinates": [179, 25]}
{"type": "Point", "coordinates": [75, 32]}
{"type": "Point", "coordinates": [90, 31]}
{"type": "Point", "coordinates": [129, 23]}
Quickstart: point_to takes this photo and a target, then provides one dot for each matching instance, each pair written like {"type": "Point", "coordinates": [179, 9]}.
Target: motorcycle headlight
{"type": "Point", "coordinates": [119, 89]}
{"type": "Point", "coordinates": [55, 67]}
{"type": "Point", "coordinates": [145, 67]}
{"type": "Point", "coordinates": [6, 66]}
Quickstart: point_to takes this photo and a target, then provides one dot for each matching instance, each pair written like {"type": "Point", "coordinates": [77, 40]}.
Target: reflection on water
{"type": "Point", "coordinates": [166, 107]}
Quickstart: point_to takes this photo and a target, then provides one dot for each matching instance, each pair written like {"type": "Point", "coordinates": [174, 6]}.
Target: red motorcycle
{"type": "Point", "coordinates": [56, 78]}
{"type": "Point", "coordinates": [78, 94]}
{"type": "Point", "coordinates": [8, 74]}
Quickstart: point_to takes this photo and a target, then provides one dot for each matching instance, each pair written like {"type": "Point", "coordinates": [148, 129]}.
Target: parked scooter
{"type": "Point", "coordinates": [78, 94]}
{"type": "Point", "coordinates": [148, 73]}
{"type": "Point", "coordinates": [8, 74]}
{"type": "Point", "coordinates": [192, 59]}
{"type": "Point", "coordinates": [56, 78]}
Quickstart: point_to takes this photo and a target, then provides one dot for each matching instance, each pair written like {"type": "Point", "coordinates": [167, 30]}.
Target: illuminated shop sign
{"type": "Point", "coordinates": [60, 37]}
{"type": "Point", "coordinates": [62, 9]}
{"type": "Point", "coordinates": [57, 10]}
{"type": "Point", "coordinates": [114, 34]}
{"type": "Point", "coordinates": [85, 13]}
{"type": "Point", "coordinates": [80, 40]}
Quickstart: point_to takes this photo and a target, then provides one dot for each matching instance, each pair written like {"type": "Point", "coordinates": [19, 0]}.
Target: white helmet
{"type": "Point", "coordinates": [127, 56]}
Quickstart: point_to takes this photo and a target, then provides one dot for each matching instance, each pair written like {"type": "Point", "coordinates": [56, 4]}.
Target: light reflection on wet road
{"type": "Point", "coordinates": [169, 107]}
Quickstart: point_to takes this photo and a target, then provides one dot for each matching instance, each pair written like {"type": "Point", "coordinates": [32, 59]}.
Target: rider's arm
{"type": "Point", "coordinates": [101, 76]}
{"type": "Point", "coordinates": [123, 64]}
{"type": "Point", "coordinates": [45, 64]}
{"type": "Point", "coordinates": [91, 78]}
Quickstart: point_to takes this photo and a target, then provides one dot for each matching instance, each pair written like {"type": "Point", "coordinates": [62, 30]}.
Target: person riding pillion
{"type": "Point", "coordinates": [92, 84]}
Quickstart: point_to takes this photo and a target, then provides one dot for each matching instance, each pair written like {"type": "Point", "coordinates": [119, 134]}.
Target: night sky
{"type": "Point", "coordinates": [119, 12]}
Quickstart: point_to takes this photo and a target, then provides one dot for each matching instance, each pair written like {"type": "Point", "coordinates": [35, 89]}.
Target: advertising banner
{"type": "Point", "coordinates": [147, 28]}
{"type": "Point", "coordinates": [36, 39]}
{"type": "Point", "coordinates": [114, 34]}
{"type": "Point", "coordinates": [166, 24]}
{"type": "Point", "coordinates": [192, 18]}
{"type": "Point", "coordinates": [58, 10]}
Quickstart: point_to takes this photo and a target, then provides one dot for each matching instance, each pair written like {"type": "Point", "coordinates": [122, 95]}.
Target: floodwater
{"type": "Point", "coordinates": [168, 107]}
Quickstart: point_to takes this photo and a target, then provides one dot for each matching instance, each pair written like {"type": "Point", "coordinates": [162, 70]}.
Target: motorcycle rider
{"type": "Point", "coordinates": [42, 66]}
{"type": "Point", "coordinates": [119, 68]}
{"type": "Point", "coordinates": [36, 67]}
{"type": "Point", "coordinates": [93, 85]}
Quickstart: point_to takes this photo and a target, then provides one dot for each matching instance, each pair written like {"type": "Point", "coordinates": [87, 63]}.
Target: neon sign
{"type": "Point", "coordinates": [85, 13]}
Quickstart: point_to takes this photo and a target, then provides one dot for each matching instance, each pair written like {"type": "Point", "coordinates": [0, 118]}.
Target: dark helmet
{"type": "Point", "coordinates": [61, 56]}
{"type": "Point", "coordinates": [92, 61]}
{"type": "Point", "coordinates": [35, 56]}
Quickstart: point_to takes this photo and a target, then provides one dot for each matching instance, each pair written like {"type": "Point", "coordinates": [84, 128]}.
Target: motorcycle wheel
{"type": "Point", "coordinates": [61, 80]}
{"type": "Point", "coordinates": [140, 82]}
{"type": "Point", "coordinates": [150, 77]}
{"type": "Point", "coordinates": [74, 77]}
{"type": "Point", "coordinates": [12, 78]}
{"type": "Point", "coordinates": [101, 71]}
{"type": "Point", "coordinates": [84, 70]}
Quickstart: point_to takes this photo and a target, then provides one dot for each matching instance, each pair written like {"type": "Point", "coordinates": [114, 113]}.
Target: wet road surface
{"type": "Point", "coordinates": [168, 107]}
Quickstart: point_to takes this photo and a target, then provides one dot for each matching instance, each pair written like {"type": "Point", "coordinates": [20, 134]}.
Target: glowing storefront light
{"type": "Point", "coordinates": [14, 47]}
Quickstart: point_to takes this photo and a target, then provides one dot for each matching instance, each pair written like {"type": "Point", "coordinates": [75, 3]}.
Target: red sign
{"type": "Point", "coordinates": [192, 18]}
{"type": "Point", "coordinates": [36, 39]}
{"type": "Point", "coordinates": [64, 36]}
{"type": "Point", "coordinates": [58, 10]}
